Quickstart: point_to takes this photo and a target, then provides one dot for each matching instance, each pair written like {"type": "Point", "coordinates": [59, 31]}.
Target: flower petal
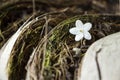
{"type": "Point", "coordinates": [87, 26]}
{"type": "Point", "coordinates": [74, 31]}
{"type": "Point", "coordinates": [87, 35]}
{"type": "Point", "coordinates": [79, 24]}
{"type": "Point", "coordinates": [78, 37]}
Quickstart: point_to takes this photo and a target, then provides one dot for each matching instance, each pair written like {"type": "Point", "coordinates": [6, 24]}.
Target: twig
{"type": "Point", "coordinates": [45, 44]}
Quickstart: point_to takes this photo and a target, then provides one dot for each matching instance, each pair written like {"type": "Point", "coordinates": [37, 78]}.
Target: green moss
{"type": "Point", "coordinates": [21, 52]}
{"type": "Point", "coordinates": [60, 43]}
{"type": "Point", "coordinates": [20, 56]}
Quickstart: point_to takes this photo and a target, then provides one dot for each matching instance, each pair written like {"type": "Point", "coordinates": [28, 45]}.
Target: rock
{"type": "Point", "coordinates": [102, 60]}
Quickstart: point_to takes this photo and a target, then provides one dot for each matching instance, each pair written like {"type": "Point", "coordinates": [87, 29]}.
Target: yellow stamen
{"type": "Point", "coordinates": [81, 30]}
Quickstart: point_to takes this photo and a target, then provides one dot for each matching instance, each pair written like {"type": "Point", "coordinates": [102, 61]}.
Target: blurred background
{"type": "Point", "coordinates": [102, 6]}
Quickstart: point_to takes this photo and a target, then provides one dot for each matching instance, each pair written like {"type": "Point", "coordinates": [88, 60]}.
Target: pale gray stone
{"type": "Point", "coordinates": [102, 60]}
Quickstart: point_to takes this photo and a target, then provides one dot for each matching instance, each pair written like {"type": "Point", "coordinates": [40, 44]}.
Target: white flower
{"type": "Point", "coordinates": [81, 30]}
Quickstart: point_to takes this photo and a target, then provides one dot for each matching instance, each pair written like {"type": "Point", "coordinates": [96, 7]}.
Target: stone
{"type": "Point", "coordinates": [102, 60]}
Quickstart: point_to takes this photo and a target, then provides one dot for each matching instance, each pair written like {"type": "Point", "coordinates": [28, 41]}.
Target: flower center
{"type": "Point", "coordinates": [81, 30]}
